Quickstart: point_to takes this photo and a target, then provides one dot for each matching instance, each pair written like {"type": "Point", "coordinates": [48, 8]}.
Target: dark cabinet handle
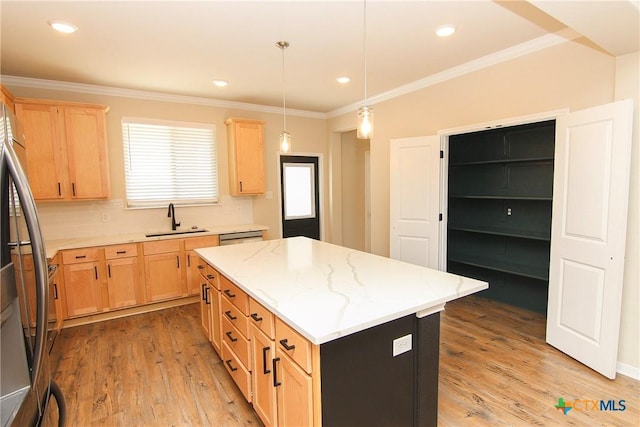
{"type": "Point", "coordinates": [228, 362]}
{"type": "Point", "coordinates": [228, 293]}
{"type": "Point", "coordinates": [264, 360]}
{"type": "Point", "coordinates": [109, 270]}
{"type": "Point", "coordinates": [287, 346]}
{"type": "Point", "coordinates": [55, 291]}
{"type": "Point", "coordinates": [95, 270]}
{"type": "Point", "coordinates": [255, 317]}
{"type": "Point", "coordinates": [204, 285]}
{"type": "Point", "coordinates": [121, 252]}
{"type": "Point", "coordinates": [201, 267]}
{"type": "Point", "coordinates": [59, 190]}
{"type": "Point", "coordinates": [80, 256]}
{"type": "Point", "coordinates": [188, 260]}
{"type": "Point", "coordinates": [211, 277]}
{"type": "Point", "coordinates": [228, 314]}
{"type": "Point", "coordinates": [276, 383]}
{"type": "Point", "coordinates": [241, 186]}
{"type": "Point", "coordinates": [206, 296]}
{"type": "Point", "coordinates": [73, 189]}
{"type": "Point", "coordinates": [231, 336]}
{"type": "Point", "coordinates": [178, 260]}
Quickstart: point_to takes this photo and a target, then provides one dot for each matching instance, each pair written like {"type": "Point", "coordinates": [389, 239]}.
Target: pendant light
{"type": "Point", "coordinates": [285, 137]}
{"type": "Point", "coordinates": [365, 113]}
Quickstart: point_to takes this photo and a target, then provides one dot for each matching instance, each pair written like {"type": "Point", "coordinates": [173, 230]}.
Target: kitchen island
{"type": "Point", "coordinates": [371, 325]}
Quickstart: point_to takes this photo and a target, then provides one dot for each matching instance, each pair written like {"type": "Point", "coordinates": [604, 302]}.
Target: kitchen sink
{"type": "Point", "coordinates": [176, 232]}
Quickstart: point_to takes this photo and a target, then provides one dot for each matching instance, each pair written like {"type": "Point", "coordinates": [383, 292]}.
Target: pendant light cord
{"type": "Point", "coordinates": [364, 50]}
{"type": "Point", "coordinates": [283, 46]}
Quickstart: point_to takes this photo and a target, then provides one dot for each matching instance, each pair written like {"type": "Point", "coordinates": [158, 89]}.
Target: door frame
{"type": "Point", "coordinates": [320, 184]}
{"type": "Point", "coordinates": [444, 170]}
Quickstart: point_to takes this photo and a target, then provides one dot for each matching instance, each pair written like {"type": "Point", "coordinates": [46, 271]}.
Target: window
{"type": "Point", "coordinates": [169, 162]}
{"type": "Point", "coordinates": [299, 190]}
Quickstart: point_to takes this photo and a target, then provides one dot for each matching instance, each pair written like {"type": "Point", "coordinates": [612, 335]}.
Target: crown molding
{"type": "Point", "coordinates": [504, 55]}
{"type": "Point", "coordinates": [150, 96]}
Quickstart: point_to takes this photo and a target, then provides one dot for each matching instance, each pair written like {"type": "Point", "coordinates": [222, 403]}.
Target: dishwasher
{"type": "Point", "coordinates": [240, 237]}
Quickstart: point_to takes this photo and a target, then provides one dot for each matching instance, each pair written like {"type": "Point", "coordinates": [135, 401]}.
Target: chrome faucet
{"type": "Point", "coordinates": [172, 215]}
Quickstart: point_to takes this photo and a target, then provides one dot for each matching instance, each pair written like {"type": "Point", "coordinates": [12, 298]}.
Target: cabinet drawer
{"type": "Point", "coordinates": [240, 375]}
{"type": "Point", "coordinates": [75, 256]}
{"type": "Point", "coordinates": [235, 316]}
{"type": "Point", "coordinates": [200, 242]}
{"type": "Point", "coordinates": [236, 295]}
{"type": "Point", "coordinates": [236, 342]}
{"type": "Point", "coordinates": [262, 318]}
{"type": "Point", "coordinates": [161, 247]}
{"type": "Point", "coordinates": [121, 251]}
{"type": "Point", "coordinates": [293, 345]}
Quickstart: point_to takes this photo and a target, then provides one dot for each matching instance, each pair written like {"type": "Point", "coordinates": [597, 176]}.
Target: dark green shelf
{"type": "Point", "coordinates": [524, 234]}
{"type": "Point", "coordinates": [524, 270]}
{"type": "Point", "coordinates": [496, 197]}
{"type": "Point", "coordinates": [488, 162]}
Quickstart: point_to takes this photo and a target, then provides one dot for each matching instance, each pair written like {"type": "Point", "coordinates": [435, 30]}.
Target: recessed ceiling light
{"type": "Point", "coordinates": [220, 83]}
{"type": "Point", "coordinates": [62, 26]}
{"type": "Point", "coordinates": [343, 79]}
{"type": "Point", "coordinates": [445, 30]}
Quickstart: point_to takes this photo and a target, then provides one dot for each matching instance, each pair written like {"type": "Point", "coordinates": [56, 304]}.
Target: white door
{"type": "Point", "coordinates": [588, 231]}
{"type": "Point", "coordinates": [414, 200]}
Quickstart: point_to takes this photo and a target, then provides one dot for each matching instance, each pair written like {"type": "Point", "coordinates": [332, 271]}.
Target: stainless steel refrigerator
{"type": "Point", "coordinates": [26, 388]}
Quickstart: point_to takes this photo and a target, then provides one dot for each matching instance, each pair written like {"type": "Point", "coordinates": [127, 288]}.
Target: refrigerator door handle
{"type": "Point", "coordinates": [28, 207]}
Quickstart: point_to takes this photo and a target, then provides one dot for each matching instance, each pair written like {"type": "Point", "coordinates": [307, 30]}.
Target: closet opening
{"type": "Point", "coordinates": [500, 190]}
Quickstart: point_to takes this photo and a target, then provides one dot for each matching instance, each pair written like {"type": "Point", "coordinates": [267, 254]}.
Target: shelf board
{"type": "Point", "coordinates": [540, 273]}
{"type": "Point", "coordinates": [495, 197]}
{"type": "Point", "coordinates": [489, 162]}
{"type": "Point", "coordinates": [503, 232]}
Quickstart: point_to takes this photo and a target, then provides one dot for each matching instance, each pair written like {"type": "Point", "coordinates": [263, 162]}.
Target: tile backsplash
{"type": "Point", "coordinates": [82, 219]}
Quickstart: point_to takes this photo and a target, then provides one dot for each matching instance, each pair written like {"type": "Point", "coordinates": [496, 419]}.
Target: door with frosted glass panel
{"type": "Point", "coordinates": [300, 196]}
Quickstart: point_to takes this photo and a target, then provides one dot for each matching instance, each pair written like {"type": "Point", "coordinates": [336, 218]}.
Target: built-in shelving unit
{"type": "Point", "coordinates": [499, 210]}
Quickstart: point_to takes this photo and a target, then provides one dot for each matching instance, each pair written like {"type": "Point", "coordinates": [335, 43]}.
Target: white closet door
{"type": "Point", "coordinates": [414, 200]}
{"type": "Point", "coordinates": [588, 232]}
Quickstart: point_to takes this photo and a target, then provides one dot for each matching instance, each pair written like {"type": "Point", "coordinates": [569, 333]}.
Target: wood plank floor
{"type": "Point", "coordinates": [158, 369]}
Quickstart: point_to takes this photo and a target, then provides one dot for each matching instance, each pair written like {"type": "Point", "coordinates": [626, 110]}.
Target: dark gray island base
{"type": "Point", "coordinates": [363, 384]}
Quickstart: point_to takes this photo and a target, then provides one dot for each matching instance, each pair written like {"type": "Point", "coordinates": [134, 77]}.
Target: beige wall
{"type": "Point", "coordinates": [567, 76]}
{"type": "Point", "coordinates": [353, 195]}
{"type": "Point", "coordinates": [85, 219]}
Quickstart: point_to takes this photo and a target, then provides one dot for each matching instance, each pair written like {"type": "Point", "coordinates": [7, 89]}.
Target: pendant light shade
{"type": "Point", "coordinates": [285, 137]}
{"type": "Point", "coordinates": [365, 113]}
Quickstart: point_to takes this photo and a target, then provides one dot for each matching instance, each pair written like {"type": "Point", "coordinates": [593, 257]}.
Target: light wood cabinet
{"type": "Point", "coordinates": [123, 275]}
{"type": "Point", "coordinates": [66, 148]}
{"type": "Point", "coordinates": [163, 270]}
{"type": "Point", "coordinates": [82, 281]}
{"type": "Point", "coordinates": [246, 156]}
{"type": "Point", "coordinates": [294, 389]}
{"type": "Point", "coordinates": [192, 258]}
{"type": "Point", "coordinates": [264, 393]}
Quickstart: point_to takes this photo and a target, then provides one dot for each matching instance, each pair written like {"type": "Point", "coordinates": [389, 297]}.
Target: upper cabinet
{"type": "Point", "coordinates": [246, 156]}
{"type": "Point", "coordinates": [66, 146]}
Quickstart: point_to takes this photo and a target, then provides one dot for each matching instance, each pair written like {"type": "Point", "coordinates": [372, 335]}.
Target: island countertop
{"type": "Point", "coordinates": [325, 291]}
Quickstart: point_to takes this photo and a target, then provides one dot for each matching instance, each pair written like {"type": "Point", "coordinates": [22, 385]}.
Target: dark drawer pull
{"type": "Point", "coordinates": [228, 362]}
{"type": "Point", "coordinates": [287, 346]}
{"type": "Point", "coordinates": [201, 267]}
{"type": "Point", "coordinates": [109, 270]}
{"type": "Point", "coordinates": [228, 314]}
{"type": "Point", "coordinates": [203, 286]}
{"type": "Point", "coordinates": [206, 296]}
{"type": "Point", "coordinates": [228, 334]}
{"type": "Point", "coordinates": [211, 277]}
{"type": "Point", "coordinates": [121, 252]}
{"type": "Point", "coordinates": [276, 383]}
{"type": "Point", "coordinates": [255, 317]}
{"type": "Point", "coordinates": [228, 293]}
{"type": "Point", "coordinates": [264, 360]}
{"type": "Point", "coordinates": [55, 291]}
{"type": "Point", "coordinates": [80, 256]}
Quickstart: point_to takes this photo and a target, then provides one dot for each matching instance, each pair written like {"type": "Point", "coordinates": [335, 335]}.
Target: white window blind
{"type": "Point", "coordinates": [169, 162]}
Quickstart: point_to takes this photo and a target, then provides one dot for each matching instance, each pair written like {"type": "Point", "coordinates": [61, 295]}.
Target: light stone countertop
{"type": "Point", "coordinates": [53, 246]}
{"type": "Point", "coordinates": [326, 291]}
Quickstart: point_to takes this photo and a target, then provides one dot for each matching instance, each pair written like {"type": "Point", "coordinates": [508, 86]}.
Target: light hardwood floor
{"type": "Point", "coordinates": [158, 369]}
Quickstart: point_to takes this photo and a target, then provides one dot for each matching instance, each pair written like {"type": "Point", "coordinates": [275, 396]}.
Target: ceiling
{"type": "Point", "coordinates": [179, 47]}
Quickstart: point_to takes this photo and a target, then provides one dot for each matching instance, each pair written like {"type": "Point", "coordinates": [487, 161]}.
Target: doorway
{"type": "Point", "coordinates": [356, 211]}
{"type": "Point", "coordinates": [300, 196]}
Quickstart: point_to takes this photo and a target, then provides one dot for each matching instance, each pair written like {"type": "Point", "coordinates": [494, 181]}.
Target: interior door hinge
{"type": "Point", "coordinates": [441, 154]}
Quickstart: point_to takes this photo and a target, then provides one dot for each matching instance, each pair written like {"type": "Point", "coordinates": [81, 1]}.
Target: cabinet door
{"type": "Point", "coordinates": [216, 327]}
{"type": "Point", "coordinates": [82, 288]}
{"type": "Point", "coordinates": [87, 152]}
{"type": "Point", "coordinates": [295, 392]}
{"type": "Point", "coordinates": [193, 273]}
{"type": "Point", "coordinates": [205, 310]}
{"type": "Point", "coordinates": [246, 156]}
{"type": "Point", "coordinates": [43, 135]}
{"type": "Point", "coordinates": [264, 392]}
{"type": "Point", "coordinates": [163, 277]}
{"type": "Point", "coordinates": [122, 282]}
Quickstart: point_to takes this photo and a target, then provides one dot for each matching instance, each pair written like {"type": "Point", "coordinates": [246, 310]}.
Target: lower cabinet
{"type": "Point", "coordinates": [82, 282]}
{"type": "Point", "coordinates": [123, 275]}
{"type": "Point", "coordinates": [210, 304]}
{"type": "Point", "coordinates": [163, 270]}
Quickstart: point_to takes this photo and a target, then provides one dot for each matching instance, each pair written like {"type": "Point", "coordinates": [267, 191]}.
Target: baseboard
{"type": "Point", "coordinates": [628, 370]}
